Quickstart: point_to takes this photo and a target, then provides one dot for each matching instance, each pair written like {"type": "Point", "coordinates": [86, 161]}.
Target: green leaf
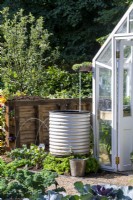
{"type": "Point", "coordinates": [79, 187]}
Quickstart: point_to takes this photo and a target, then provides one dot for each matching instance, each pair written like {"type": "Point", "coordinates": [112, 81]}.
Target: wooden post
{"type": "Point", "coordinates": [36, 108]}
{"type": "Point", "coordinates": [17, 127]}
{"type": "Point", "coordinates": [7, 126]}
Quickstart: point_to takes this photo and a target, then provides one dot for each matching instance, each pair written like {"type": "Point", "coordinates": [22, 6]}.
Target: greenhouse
{"type": "Point", "coordinates": [113, 97]}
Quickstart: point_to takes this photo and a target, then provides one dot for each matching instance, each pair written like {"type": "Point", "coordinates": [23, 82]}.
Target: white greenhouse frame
{"type": "Point", "coordinates": [112, 60]}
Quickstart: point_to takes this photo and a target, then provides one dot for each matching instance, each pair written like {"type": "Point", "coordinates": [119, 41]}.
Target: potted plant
{"type": "Point", "coordinates": [77, 167]}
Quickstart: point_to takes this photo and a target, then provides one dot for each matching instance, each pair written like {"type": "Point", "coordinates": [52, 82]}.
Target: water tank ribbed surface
{"type": "Point", "coordinates": [69, 130]}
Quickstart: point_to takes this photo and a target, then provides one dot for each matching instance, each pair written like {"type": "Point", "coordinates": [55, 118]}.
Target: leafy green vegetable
{"type": "Point", "coordinates": [62, 165]}
{"type": "Point", "coordinates": [2, 166]}
{"type": "Point", "coordinates": [59, 165]}
{"type": "Point", "coordinates": [103, 192]}
{"type": "Point", "coordinates": [92, 165]}
{"type": "Point", "coordinates": [22, 183]}
{"type": "Point", "coordinates": [28, 156]}
{"type": "Point", "coordinates": [19, 183]}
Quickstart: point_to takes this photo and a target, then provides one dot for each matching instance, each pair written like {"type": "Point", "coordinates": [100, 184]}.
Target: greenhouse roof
{"type": "Point", "coordinates": [123, 30]}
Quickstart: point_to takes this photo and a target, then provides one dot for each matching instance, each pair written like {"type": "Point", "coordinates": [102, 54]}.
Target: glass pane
{"type": "Point", "coordinates": [105, 116]}
{"type": "Point", "coordinates": [131, 22]}
{"type": "Point", "coordinates": [123, 27]}
{"type": "Point", "coordinates": [105, 142]}
{"type": "Point", "coordinates": [106, 55]}
{"type": "Point", "coordinates": [131, 27]}
{"type": "Point", "coordinates": [127, 81]}
{"type": "Point", "coordinates": [105, 83]}
{"type": "Point", "coordinates": [131, 15]}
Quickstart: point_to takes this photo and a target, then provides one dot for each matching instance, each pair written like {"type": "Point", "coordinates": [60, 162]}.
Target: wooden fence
{"type": "Point", "coordinates": [27, 120]}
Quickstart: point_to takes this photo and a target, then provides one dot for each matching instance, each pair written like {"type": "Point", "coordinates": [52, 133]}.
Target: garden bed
{"type": "Point", "coordinates": [99, 179]}
{"type": "Point", "coordinates": [24, 168]}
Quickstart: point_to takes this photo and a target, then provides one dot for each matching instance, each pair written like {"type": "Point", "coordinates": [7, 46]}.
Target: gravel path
{"type": "Point", "coordinates": [67, 182]}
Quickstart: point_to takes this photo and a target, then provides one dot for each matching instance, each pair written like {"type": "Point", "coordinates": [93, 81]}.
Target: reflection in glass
{"type": "Point", "coordinates": [131, 22]}
{"type": "Point", "coordinates": [123, 27]}
{"type": "Point", "coordinates": [131, 27]}
{"type": "Point", "coordinates": [105, 142]}
{"type": "Point", "coordinates": [106, 55]}
{"type": "Point", "coordinates": [105, 83]}
{"type": "Point", "coordinates": [105, 116]}
{"type": "Point", "coordinates": [127, 81]}
{"type": "Point", "coordinates": [131, 15]}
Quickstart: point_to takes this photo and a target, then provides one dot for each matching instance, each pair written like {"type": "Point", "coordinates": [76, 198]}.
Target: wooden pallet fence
{"type": "Point", "coordinates": [30, 122]}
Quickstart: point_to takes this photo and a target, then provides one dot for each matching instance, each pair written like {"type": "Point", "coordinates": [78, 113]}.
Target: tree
{"type": "Point", "coordinates": [75, 24]}
{"type": "Point", "coordinates": [62, 84]}
{"type": "Point", "coordinates": [111, 13]}
{"type": "Point", "coordinates": [25, 52]}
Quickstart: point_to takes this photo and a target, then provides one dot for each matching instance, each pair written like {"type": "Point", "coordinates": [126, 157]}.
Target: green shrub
{"type": "Point", "coordinates": [23, 183]}
{"type": "Point", "coordinates": [62, 165]}
{"type": "Point", "coordinates": [2, 166]}
{"type": "Point", "coordinates": [31, 156]}
{"type": "Point", "coordinates": [25, 49]}
{"type": "Point", "coordinates": [92, 165]}
{"type": "Point", "coordinates": [59, 165]}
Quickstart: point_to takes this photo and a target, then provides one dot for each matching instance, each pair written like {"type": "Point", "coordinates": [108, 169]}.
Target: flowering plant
{"type": "Point", "coordinates": [2, 121]}
{"type": "Point", "coordinates": [2, 115]}
{"type": "Point", "coordinates": [2, 99]}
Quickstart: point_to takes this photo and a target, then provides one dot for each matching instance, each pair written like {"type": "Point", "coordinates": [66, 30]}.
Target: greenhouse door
{"type": "Point", "coordinates": [125, 105]}
{"type": "Point", "coordinates": [104, 117]}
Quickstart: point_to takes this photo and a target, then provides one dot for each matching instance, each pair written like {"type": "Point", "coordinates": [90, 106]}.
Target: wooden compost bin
{"type": "Point", "coordinates": [27, 119]}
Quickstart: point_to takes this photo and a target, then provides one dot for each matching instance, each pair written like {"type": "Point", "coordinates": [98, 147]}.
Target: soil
{"type": "Point", "coordinates": [5, 158]}
{"type": "Point", "coordinates": [120, 179]}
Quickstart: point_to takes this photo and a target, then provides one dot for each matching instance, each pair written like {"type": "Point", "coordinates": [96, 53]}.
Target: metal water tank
{"type": "Point", "coordinates": [69, 132]}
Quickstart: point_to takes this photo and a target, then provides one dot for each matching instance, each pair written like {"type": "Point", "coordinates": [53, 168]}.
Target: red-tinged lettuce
{"type": "Point", "coordinates": [104, 191]}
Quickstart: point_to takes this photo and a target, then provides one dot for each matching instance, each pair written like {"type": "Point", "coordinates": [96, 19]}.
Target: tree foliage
{"type": "Point", "coordinates": [75, 27]}
{"type": "Point", "coordinates": [63, 84]}
{"type": "Point", "coordinates": [25, 51]}
{"type": "Point", "coordinates": [75, 24]}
